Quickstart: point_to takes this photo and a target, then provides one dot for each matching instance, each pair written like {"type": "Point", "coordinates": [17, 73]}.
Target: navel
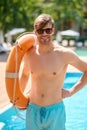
{"type": "Point", "coordinates": [42, 95]}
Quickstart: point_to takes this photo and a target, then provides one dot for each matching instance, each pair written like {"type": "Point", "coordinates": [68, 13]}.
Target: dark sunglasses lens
{"type": "Point", "coordinates": [49, 30]}
{"type": "Point", "coordinates": [40, 31]}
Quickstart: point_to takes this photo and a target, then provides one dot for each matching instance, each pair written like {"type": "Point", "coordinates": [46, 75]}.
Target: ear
{"type": "Point", "coordinates": [53, 31]}
{"type": "Point", "coordinates": [34, 31]}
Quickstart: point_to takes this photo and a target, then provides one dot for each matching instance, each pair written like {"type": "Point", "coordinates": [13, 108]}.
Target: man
{"type": "Point", "coordinates": [44, 70]}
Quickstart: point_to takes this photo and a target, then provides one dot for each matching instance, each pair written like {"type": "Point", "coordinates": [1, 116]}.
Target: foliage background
{"type": "Point", "coordinates": [21, 13]}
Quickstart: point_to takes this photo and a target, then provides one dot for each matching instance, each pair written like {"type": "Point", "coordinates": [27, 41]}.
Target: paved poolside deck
{"type": "Point", "coordinates": [4, 101]}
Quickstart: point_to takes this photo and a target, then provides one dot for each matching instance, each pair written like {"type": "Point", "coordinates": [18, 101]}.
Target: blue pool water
{"type": "Point", "coordinates": [76, 110]}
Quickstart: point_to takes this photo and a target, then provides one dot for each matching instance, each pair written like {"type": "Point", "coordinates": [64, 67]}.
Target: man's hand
{"type": "Point", "coordinates": [65, 93]}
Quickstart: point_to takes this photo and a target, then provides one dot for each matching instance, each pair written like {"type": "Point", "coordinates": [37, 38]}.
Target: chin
{"type": "Point", "coordinates": [45, 42]}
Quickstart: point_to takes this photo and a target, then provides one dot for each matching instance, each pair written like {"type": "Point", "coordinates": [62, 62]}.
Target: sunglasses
{"type": "Point", "coordinates": [47, 31]}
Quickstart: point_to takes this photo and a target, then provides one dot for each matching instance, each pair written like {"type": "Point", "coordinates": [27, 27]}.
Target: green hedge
{"type": "Point", "coordinates": [79, 39]}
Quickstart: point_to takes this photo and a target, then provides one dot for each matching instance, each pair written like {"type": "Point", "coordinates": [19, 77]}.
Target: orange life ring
{"type": "Point", "coordinates": [14, 92]}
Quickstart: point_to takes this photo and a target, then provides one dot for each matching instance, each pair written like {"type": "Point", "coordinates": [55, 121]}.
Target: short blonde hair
{"type": "Point", "coordinates": [42, 20]}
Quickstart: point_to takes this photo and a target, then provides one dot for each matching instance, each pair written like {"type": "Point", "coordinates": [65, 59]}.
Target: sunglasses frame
{"type": "Point", "coordinates": [46, 30]}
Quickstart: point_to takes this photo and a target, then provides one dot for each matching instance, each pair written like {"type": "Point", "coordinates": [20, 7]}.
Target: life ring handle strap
{"type": "Point", "coordinates": [24, 34]}
{"type": "Point", "coordinates": [11, 75]}
{"type": "Point", "coordinates": [30, 33]}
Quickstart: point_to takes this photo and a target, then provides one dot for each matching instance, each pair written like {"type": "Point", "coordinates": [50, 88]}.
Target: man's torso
{"type": "Point", "coordinates": [47, 76]}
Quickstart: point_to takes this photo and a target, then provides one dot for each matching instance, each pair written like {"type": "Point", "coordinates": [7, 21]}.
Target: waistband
{"type": "Point", "coordinates": [52, 106]}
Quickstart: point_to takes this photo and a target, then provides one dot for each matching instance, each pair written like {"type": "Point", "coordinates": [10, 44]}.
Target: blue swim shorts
{"type": "Point", "coordinates": [50, 117]}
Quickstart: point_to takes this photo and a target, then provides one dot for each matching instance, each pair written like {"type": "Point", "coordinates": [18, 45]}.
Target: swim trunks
{"type": "Point", "coordinates": [50, 117]}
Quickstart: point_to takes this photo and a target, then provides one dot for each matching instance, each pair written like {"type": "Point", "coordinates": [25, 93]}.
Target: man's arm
{"type": "Point", "coordinates": [79, 85]}
{"type": "Point", "coordinates": [24, 74]}
{"type": "Point", "coordinates": [81, 65]}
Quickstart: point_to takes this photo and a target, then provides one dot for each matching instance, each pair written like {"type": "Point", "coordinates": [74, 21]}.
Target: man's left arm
{"type": "Point", "coordinates": [82, 66]}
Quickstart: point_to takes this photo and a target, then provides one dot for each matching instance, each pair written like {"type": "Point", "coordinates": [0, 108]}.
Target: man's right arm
{"type": "Point", "coordinates": [24, 74]}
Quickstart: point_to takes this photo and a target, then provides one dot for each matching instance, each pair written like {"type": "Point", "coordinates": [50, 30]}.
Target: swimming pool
{"type": "Point", "coordinates": [76, 110]}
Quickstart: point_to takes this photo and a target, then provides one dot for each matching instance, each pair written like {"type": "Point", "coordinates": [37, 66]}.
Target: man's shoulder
{"type": "Point", "coordinates": [65, 52]}
{"type": "Point", "coordinates": [61, 48]}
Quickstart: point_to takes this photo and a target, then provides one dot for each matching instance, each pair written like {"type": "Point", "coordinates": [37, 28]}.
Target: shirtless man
{"type": "Point", "coordinates": [45, 67]}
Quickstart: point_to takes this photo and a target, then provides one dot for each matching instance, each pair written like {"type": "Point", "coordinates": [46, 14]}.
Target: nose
{"type": "Point", "coordinates": [44, 32]}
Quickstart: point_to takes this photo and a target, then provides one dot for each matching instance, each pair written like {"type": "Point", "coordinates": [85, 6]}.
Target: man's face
{"type": "Point", "coordinates": [44, 34]}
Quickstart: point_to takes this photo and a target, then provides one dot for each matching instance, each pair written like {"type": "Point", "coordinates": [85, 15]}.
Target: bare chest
{"type": "Point", "coordinates": [48, 63]}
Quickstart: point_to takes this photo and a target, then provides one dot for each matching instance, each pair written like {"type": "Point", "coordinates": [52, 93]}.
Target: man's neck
{"type": "Point", "coordinates": [45, 48]}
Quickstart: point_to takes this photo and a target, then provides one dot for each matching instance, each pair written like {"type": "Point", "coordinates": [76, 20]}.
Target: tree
{"type": "Point", "coordinates": [66, 10]}
{"type": "Point", "coordinates": [14, 13]}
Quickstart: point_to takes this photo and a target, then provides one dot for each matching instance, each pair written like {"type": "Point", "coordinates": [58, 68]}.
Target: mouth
{"type": "Point", "coordinates": [44, 39]}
